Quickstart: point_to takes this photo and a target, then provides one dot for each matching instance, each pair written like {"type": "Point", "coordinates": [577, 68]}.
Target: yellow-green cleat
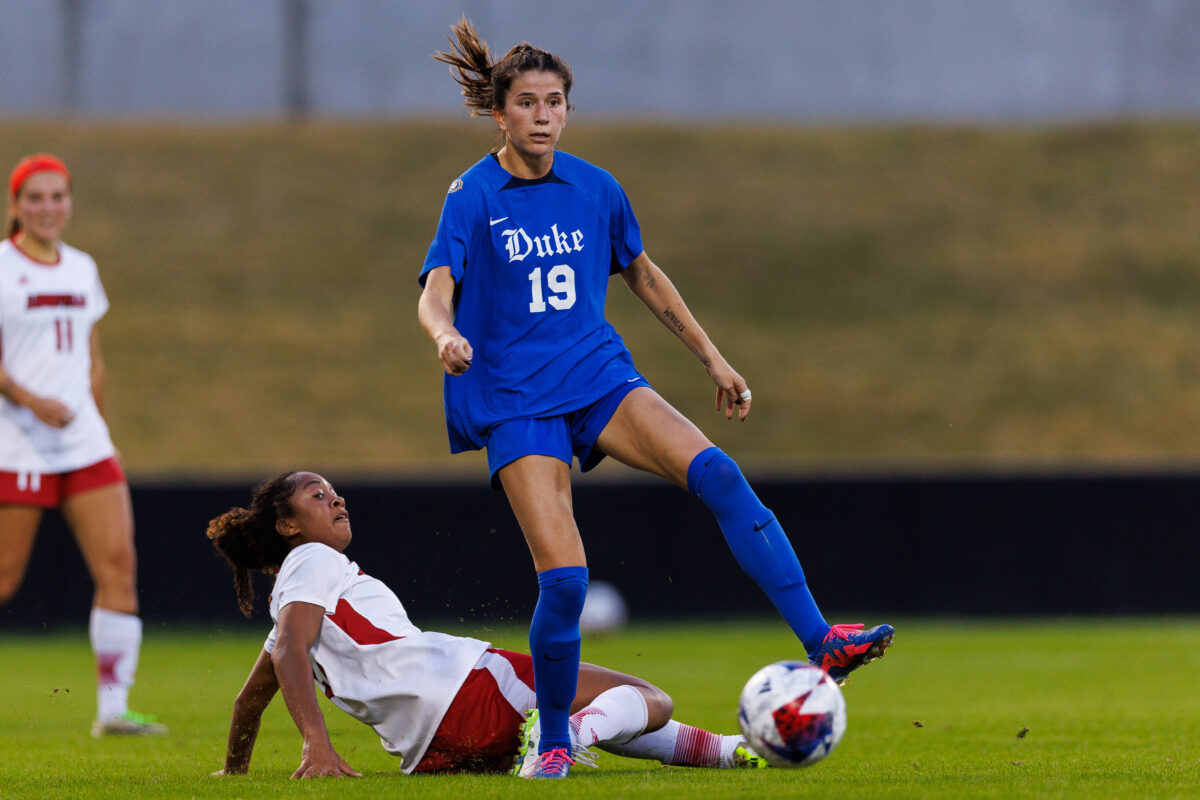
{"type": "Point", "coordinates": [131, 723]}
{"type": "Point", "coordinates": [527, 755]}
{"type": "Point", "coordinates": [745, 758]}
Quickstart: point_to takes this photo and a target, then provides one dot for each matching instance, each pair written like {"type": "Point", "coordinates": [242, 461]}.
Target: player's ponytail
{"type": "Point", "coordinates": [470, 57]}
{"type": "Point", "coordinates": [247, 537]}
{"type": "Point", "coordinates": [485, 85]}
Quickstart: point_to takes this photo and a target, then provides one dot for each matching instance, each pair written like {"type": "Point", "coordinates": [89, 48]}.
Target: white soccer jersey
{"type": "Point", "coordinates": [370, 660]}
{"type": "Point", "coordinates": [46, 316]}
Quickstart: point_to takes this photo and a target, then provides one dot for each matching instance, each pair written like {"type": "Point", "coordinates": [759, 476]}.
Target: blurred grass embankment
{"type": "Point", "coordinates": [894, 295]}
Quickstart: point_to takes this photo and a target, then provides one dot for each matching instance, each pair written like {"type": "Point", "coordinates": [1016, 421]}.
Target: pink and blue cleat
{"type": "Point", "coordinates": [554, 763]}
{"type": "Point", "coordinates": [847, 647]}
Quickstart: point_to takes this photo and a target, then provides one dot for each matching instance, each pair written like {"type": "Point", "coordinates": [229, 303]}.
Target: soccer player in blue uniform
{"type": "Point", "coordinates": [514, 291]}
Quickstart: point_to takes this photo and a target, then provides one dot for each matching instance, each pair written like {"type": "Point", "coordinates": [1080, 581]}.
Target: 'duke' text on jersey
{"type": "Point", "coordinates": [520, 244]}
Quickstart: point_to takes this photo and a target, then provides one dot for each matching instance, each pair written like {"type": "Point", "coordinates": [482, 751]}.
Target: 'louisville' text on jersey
{"type": "Point", "coordinates": [55, 300]}
{"type": "Point", "coordinates": [519, 244]}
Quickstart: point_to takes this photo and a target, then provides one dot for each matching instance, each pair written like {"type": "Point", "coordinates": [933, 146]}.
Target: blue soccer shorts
{"type": "Point", "coordinates": [571, 434]}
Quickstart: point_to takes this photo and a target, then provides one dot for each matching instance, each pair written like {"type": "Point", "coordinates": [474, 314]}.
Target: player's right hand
{"type": "Point", "coordinates": [323, 762]}
{"type": "Point", "coordinates": [455, 353]}
{"type": "Point", "coordinates": [51, 412]}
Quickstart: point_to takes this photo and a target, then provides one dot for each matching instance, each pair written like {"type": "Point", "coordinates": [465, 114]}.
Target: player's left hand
{"type": "Point", "coordinates": [732, 391]}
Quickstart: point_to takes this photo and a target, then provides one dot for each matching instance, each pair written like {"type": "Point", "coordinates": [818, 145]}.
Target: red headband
{"type": "Point", "coordinates": [41, 162]}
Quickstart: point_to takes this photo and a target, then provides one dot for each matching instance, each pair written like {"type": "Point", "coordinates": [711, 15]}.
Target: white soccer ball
{"type": "Point", "coordinates": [792, 713]}
{"type": "Point", "coordinates": [603, 609]}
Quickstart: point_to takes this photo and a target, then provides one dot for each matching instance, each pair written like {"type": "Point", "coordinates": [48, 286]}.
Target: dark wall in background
{"type": "Point", "coordinates": [884, 546]}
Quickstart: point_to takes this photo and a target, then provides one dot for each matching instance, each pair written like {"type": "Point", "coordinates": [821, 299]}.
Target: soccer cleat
{"type": "Point", "coordinates": [131, 723]}
{"type": "Point", "coordinates": [848, 647]}
{"type": "Point", "coordinates": [555, 763]}
{"type": "Point", "coordinates": [745, 758]}
{"type": "Point", "coordinates": [527, 755]}
{"type": "Point", "coordinates": [529, 761]}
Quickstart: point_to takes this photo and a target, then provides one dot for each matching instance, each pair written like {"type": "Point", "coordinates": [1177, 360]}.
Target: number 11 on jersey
{"type": "Point", "coordinates": [64, 334]}
{"type": "Point", "coordinates": [560, 280]}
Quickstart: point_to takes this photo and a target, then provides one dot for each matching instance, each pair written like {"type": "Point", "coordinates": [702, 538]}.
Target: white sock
{"type": "Point", "coordinates": [681, 745]}
{"type": "Point", "coordinates": [116, 639]}
{"type": "Point", "coordinates": [617, 715]}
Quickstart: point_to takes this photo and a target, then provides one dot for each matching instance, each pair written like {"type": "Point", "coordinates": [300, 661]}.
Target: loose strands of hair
{"type": "Point", "coordinates": [485, 85]}
{"type": "Point", "coordinates": [471, 58]}
{"type": "Point", "coordinates": [247, 539]}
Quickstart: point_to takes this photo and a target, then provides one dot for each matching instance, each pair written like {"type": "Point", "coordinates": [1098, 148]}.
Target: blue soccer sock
{"type": "Point", "coordinates": [554, 643]}
{"type": "Point", "coordinates": [757, 541]}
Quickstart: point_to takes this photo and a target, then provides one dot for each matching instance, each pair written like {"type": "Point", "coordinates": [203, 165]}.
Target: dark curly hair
{"type": "Point", "coordinates": [485, 85]}
{"type": "Point", "coordinates": [247, 538]}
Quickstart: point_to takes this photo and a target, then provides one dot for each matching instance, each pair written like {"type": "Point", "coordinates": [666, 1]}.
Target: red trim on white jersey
{"type": "Point", "coordinates": [58, 259]}
{"type": "Point", "coordinates": [379, 667]}
{"type": "Point", "coordinates": [358, 627]}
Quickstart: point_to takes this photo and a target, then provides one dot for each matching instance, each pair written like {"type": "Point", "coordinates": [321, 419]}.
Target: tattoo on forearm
{"type": "Point", "coordinates": [674, 320]}
{"type": "Point", "coordinates": [650, 282]}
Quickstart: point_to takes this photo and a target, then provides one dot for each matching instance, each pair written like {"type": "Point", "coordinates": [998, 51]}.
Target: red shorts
{"type": "Point", "coordinates": [50, 489]}
{"type": "Point", "coordinates": [481, 731]}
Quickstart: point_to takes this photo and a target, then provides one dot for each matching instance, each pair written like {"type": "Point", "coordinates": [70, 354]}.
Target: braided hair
{"type": "Point", "coordinates": [247, 538]}
{"type": "Point", "coordinates": [485, 85]}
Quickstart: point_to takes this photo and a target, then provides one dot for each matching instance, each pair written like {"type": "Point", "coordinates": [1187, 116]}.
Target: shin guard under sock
{"type": "Point", "coordinates": [757, 541]}
{"type": "Point", "coordinates": [554, 644]}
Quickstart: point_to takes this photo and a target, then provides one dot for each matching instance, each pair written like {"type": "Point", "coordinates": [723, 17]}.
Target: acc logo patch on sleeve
{"type": "Point", "coordinates": [455, 186]}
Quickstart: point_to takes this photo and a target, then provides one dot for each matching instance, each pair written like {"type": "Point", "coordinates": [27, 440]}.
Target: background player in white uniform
{"type": "Point", "coordinates": [441, 703]}
{"type": "Point", "coordinates": [55, 450]}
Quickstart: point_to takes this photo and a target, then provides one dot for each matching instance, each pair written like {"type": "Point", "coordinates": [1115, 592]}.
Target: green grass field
{"type": "Point", "coordinates": [1109, 708]}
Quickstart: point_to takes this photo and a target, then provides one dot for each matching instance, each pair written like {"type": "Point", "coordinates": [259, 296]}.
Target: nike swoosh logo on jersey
{"type": "Point", "coordinates": [495, 221]}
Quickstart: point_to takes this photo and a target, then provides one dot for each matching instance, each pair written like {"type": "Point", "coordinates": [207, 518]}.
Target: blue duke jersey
{"type": "Point", "coordinates": [531, 261]}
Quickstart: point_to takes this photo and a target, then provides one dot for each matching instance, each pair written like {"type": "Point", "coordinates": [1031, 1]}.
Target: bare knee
{"type": "Point", "coordinates": [18, 528]}
{"type": "Point", "coordinates": [659, 706]}
{"type": "Point", "coordinates": [115, 577]}
{"type": "Point", "coordinates": [594, 681]}
{"type": "Point", "coordinates": [10, 581]}
{"type": "Point", "coordinates": [12, 574]}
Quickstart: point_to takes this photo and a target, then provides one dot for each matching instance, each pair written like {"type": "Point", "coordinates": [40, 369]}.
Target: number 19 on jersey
{"type": "Point", "coordinates": [560, 281]}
